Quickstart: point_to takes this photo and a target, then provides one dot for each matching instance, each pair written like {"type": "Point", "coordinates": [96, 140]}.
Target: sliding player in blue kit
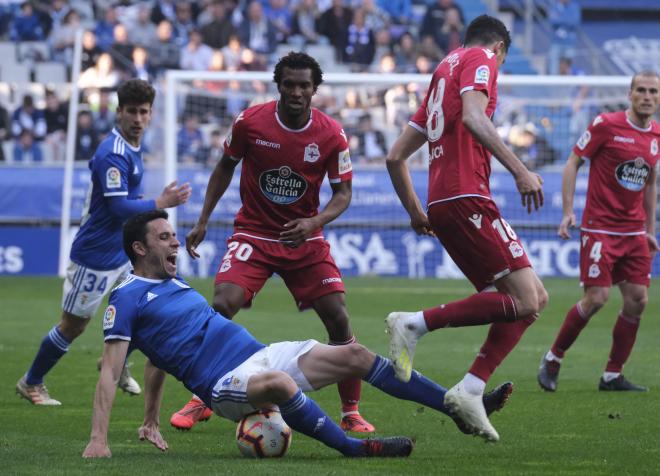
{"type": "Point", "coordinates": [158, 313]}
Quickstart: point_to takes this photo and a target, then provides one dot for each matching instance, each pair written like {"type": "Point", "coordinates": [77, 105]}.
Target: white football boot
{"type": "Point", "coordinates": [403, 339]}
{"type": "Point", "coordinates": [470, 409]}
{"type": "Point", "coordinates": [35, 394]}
{"type": "Point", "coordinates": [127, 383]}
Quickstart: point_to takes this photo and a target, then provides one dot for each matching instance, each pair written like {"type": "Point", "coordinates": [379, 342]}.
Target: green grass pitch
{"type": "Point", "coordinates": [577, 430]}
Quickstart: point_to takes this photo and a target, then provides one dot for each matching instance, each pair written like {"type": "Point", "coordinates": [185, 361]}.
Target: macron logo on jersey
{"type": "Point", "coordinates": [265, 143]}
{"type": "Point", "coordinates": [151, 297]}
{"type": "Point", "coordinates": [627, 140]}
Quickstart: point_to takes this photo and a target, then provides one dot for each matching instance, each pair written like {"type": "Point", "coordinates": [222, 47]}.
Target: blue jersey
{"type": "Point", "coordinates": [116, 177]}
{"type": "Point", "coordinates": [173, 325]}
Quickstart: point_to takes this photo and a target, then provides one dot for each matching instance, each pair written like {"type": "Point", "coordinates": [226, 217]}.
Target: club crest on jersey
{"type": "Point", "coordinates": [632, 175]}
{"type": "Point", "coordinates": [516, 250]}
{"type": "Point", "coordinates": [584, 140]}
{"type": "Point", "coordinates": [654, 147]}
{"type": "Point", "coordinates": [594, 271]}
{"type": "Point", "coordinates": [113, 178]}
{"type": "Point", "coordinates": [312, 153]}
{"type": "Point", "coordinates": [482, 75]}
{"type": "Point", "coordinates": [282, 186]}
{"type": "Point", "coordinates": [345, 162]}
{"type": "Point", "coordinates": [226, 265]}
{"type": "Point", "coordinates": [109, 317]}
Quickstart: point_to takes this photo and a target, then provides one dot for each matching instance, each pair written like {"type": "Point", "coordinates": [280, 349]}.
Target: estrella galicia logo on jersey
{"type": "Point", "coordinates": [632, 175]}
{"type": "Point", "coordinates": [584, 140]}
{"type": "Point", "coordinates": [482, 75]}
{"type": "Point", "coordinates": [282, 186]}
{"type": "Point", "coordinates": [113, 178]}
{"type": "Point", "coordinates": [654, 147]}
{"type": "Point", "coordinates": [109, 317]}
{"type": "Point", "coordinates": [312, 153]}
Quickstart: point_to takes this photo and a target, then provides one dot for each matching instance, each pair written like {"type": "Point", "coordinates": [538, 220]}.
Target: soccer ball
{"type": "Point", "coordinates": [263, 434]}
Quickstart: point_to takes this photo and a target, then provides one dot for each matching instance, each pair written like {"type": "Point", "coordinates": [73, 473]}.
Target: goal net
{"type": "Point", "coordinates": [540, 117]}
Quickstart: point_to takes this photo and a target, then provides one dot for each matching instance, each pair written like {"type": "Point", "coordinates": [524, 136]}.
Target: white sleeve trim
{"type": "Point", "coordinates": [417, 127]}
{"type": "Point", "coordinates": [115, 194]}
{"type": "Point", "coordinates": [116, 337]}
{"type": "Point", "coordinates": [466, 88]}
{"type": "Point", "coordinates": [235, 159]}
{"type": "Point", "coordinates": [334, 180]}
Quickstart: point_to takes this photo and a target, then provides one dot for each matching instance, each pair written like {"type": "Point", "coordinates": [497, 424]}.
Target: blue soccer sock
{"type": "Point", "coordinates": [53, 347]}
{"type": "Point", "coordinates": [419, 389]}
{"type": "Point", "coordinates": [302, 414]}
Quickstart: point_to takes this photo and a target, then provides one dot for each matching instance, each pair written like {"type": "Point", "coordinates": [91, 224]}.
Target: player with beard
{"type": "Point", "coordinates": [617, 233]}
{"type": "Point", "coordinates": [287, 148]}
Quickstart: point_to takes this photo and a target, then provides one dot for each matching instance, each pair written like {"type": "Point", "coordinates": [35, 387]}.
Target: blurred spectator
{"type": "Point", "coordinates": [423, 65]}
{"type": "Point", "coordinates": [334, 23]}
{"type": "Point", "coordinates": [281, 16]}
{"type": "Point", "coordinates": [434, 19]}
{"type": "Point", "coordinates": [121, 49]}
{"type": "Point", "coordinates": [211, 154]}
{"type": "Point", "coordinates": [232, 53]}
{"type": "Point", "coordinates": [196, 55]}
{"type": "Point", "coordinates": [257, 32]}
{"type": "Point", "coordinates": [4, 130]}
{"type": "Point", "coordinates": [370, 143]}
{"type": "Point", "coordinates": [64, 37]}
{"type": "Point", "coordinates": [400, 11]}
{"type": "Point", "coordinates": [56, 115]}
{"type": "Point", "coordinates": [387, 64]}
{"type": "Point", "coordinates": [452, 32]}
{"type": "Point", "coordinates": [90, 50]}
{"type": "Point", "coordinates": [189, 140]}
{"type": "Point", "coordinates": [143, 32]}
{"type": "Point", "coordinates": [216, 33]}
{"type": "Point", "coordinates": [57, 12]}
{"type": "Point", "coordinates": [163, 52]}
{"type": "Point", "coordinates": [183, 23]}
{"type": "Point", "coordinates": [305, 20]}
{"type": "Point", "coordinates": [104, 29]}
{"type": "Point", "coordinates": [383, 43]}
{"type": "Point", "coordinates": [565, 18]}
{"type": "Point", "coordinates": [533, 150]}
{"type": "Point", "coordinates": [140, 67]}
{"type": "Point", "coordinates": [26, 150]}
{"type": "Point", "coordinates": [163, 10]}
{"type": "Point", "coordinates": [375, 17]}
{"type": "Point", "coordinates": [102, 75]}
{"type": "Point", "coordinates": [26, 25]}
{"type": "Point", "coordinates": [405, 54]}
{"type": "Point", "coordinates": [360, 43]}
{"type": "Point", "coordinates": [104, 115]}
{"type": "Point", "coordinates": [28, 118]}
{"type": "Point", "coordinates": [87, 139]}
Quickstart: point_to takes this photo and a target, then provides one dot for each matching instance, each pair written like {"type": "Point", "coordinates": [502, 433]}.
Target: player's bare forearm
{"type": "Point", "coordinates": [154, 380]}
{"type": "Point", "coordinates": [114, 355]}
{"type": "Point", "coordinates": [650, 200]}
{"type": "Point", "coordinates": [217, 186]}
{"type": "Point", "coordinates": [342, 193]}
{"type": "Point", "coordinates": [406, 144]}
{"type": "Point", "coordinates": [568, 179]}
{"type": "Point", "coordinates": [477, 122]}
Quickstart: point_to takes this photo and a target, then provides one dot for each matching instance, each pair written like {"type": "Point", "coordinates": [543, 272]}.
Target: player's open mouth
{"type": "Point", "coordinates": [172, 259]}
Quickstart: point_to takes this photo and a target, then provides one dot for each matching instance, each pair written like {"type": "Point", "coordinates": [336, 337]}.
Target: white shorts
{"type": "Point", "coordinates": [230, 393]}
{"type": "Point", "coordinates": [84, 288]}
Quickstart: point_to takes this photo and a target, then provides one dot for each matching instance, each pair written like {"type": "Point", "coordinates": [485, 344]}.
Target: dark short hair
{"type": "Point", "coordinates": [135, 92]}
{"type": "Point", "coordinates": [647, 73]}
{"type": "Point", "coordinates": [298, 60]}
{"type": "Point", "coordinates": [485, 30]}
{"type": "Point", "coordinates": [135, 229]}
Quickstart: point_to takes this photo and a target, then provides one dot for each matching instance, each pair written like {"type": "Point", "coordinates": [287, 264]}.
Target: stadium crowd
{"type": "Point", "coordinates": [128, 38]}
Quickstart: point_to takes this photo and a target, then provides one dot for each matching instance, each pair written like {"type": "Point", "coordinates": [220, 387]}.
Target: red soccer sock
{"type": "Point", "coordinates": [349, 389]}
{"type": "Point", "coordinates": [478, 309]}
{"type": "Point", "coordinates": [575, 321]}
{"type": "Point", "coordinates": [623, 339]}
{"type": "Point", "coordinates": [502, 338]}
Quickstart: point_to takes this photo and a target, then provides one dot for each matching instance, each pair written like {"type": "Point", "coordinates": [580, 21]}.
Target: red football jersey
{"type": "Point", "coordinates": [622, 156]}
{"type": "Point", "coordinates": [283, 168]}
{"type": "Point", "coordinates": [459, 166]}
